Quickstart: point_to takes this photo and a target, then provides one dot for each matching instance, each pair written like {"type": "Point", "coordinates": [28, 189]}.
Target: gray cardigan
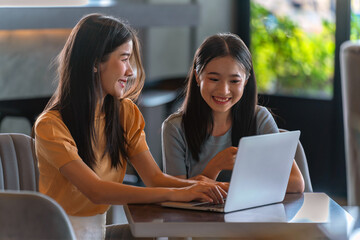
{"type": "Point", "coordinates": [176, 155]}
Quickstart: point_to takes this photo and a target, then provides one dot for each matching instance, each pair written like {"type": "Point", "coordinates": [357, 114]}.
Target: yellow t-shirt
{"type": "Point", "coordinates": [55, 147]}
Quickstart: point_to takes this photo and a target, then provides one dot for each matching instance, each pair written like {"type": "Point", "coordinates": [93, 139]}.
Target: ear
{"type": "Point", "coordinates": [96, 66]}
{"type": "Point", "coordinates": [247, 79]}
{"type": "Point", "coordinates": [197, 78]}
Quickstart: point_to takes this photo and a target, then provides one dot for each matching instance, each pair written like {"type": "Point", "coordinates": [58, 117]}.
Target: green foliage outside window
{"type": "Point", "coordinates": [355, 27]}
{"type": "Point", "coordinates": [289, 61]}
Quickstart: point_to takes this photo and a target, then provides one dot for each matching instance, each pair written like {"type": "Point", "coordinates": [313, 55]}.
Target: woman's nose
{"type": "Point", "coordinates": [224, 88]}
{"type": "Point", "coordinates": [129, 71]}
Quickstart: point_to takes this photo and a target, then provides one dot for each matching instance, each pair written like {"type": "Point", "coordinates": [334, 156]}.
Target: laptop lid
{"type": "Point", "coordinates": [261, 170]}
{"type": "Point", "coordinates": [260, 174]}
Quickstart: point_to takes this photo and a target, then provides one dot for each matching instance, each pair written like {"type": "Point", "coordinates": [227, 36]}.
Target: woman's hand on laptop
{"type": "Point", "coordinates": [224, 160]}
{"type": "Point", "coordinates": [223, 185]}
{"type": "Point", "coordinates": [203, 178]}
{"type": "Point", "coordinates": [201, 191]}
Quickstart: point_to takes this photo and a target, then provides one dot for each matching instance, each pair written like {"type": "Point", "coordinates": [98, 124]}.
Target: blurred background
{"type": "Point", "coordinates": [294, 43]}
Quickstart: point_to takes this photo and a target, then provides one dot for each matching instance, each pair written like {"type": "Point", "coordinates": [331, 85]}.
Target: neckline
{"type": "Point", "coordinates": [217, 138]}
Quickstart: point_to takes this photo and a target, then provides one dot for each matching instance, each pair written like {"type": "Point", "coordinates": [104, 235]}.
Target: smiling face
{"type": "Point", "coordinates": [116, 70]}
{"type": "Point", "coordinates": [222, 84]}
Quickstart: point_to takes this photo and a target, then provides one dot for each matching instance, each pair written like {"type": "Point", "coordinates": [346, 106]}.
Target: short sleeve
{"type": "Point", "coordinates": [173, 148]}
{"type": "Point", "coordinates": [53, 141]}
{"type": "Point", "coordinates": [133, 124]}
{"type": "Point", "coordinates": [265, 122]}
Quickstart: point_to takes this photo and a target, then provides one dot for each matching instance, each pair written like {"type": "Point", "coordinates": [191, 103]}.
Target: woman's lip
{"type": "Point", "coordinates": [221, 100]}
{"type": "Point", "coordinates": [122, 82]}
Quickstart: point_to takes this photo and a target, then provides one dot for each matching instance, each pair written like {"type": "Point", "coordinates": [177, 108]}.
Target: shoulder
{"type": "Point", "coordinates": [48, 119]}
{"type": "Point", "coordinates": [174, 120]}
{"type": "Point", "coordinates": [51, 114]}
{"type": "Point", "coordinates": [130, 116]}
{"type": "Point", "coordinates": [50, 126]}
{"type": "Point", "coordinates": [172, 130]}
{"type": "Point", "coordinates": [264, 121]}
{"type": "Point", "coordinates": [128, 109]}
{"type": "Point", "coordinates": [262, 112]}
{"type": "Point", "coordinates": [127, 103]}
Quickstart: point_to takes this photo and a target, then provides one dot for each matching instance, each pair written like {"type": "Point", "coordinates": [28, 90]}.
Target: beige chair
{"type": "Point", "coordinates": [32, 215]}
{"type": "Point", "coordinates": [18, 166]}
{"type": "Point", "coordinates": [24, 212]}
{"type": "Point", "coordinates": [350, 84]}
{"type": "Point", "coordinates": [301, 161]}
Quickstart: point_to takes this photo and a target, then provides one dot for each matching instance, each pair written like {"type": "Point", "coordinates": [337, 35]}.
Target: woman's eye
{"type": "Point", "coordinates": [235, 81]}
{"type": "Point", "coordinates": [213, 79]}
{"type": "Point", "coordinates": [125, 60]}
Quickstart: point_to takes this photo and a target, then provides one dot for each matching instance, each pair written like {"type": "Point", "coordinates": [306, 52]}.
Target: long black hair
{"type": "Point", "coordinates": [197, 115]}
{"type": "Point", "coordinates": [79, 90]}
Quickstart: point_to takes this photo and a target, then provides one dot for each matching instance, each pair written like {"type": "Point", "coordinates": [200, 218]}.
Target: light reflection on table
{"type": "Point", "coordinates": [308, 215]}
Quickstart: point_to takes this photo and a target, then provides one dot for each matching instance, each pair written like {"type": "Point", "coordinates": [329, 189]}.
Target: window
{"type": "Point", "coordinates": [293, 46]}
{"type": "Point", "coordinates": [55, 3]}
{"type": "Point", "coordinates": [355, 20]}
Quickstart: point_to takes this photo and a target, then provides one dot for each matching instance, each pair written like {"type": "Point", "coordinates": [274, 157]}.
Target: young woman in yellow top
{"type": "Point", "coordinates": [91, 129]}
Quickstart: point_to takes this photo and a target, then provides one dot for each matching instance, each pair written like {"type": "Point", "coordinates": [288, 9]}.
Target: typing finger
{"type": "Point", "coordinates": [216, 194]}
{"type": "Point", "coordinates": [223, 193]}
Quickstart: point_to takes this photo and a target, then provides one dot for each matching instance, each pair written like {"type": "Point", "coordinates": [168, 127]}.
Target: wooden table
{"type": "Point", "coordinates": [299, 216]}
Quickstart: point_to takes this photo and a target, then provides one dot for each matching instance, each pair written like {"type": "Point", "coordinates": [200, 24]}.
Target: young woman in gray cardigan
{"type": "Point", "coordinates": [200, 140]}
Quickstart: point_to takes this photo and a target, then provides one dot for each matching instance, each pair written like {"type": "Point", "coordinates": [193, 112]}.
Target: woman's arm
{"type": "Point", "coordinates": [224, 160]}
{"type": "Point", "coordinates": [296, 182]}
{"type": "Point", "coordinates": [174, 149]}
{"type": "Point", "coordinates": [151, 174]}
{"type": "Point", "coordinates": [106, 192]}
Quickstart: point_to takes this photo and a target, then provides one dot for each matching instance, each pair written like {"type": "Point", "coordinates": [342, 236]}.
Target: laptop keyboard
{"type": "Point", "coordinates": [212, 205]}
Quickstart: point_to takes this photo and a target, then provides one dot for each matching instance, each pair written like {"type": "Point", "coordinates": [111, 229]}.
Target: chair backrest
{"type": "Point", "coordinates": [350, 84]}
{"type": "Point", "coordinates": [301, 161]}
{"type": "Point", "coordinates": [18, 166]}
{"type": "Point", "coordinates": [32, 215]}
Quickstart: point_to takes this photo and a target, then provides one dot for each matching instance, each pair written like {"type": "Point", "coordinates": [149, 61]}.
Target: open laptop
{"type": "Point", "coordinates": [260, 174]}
